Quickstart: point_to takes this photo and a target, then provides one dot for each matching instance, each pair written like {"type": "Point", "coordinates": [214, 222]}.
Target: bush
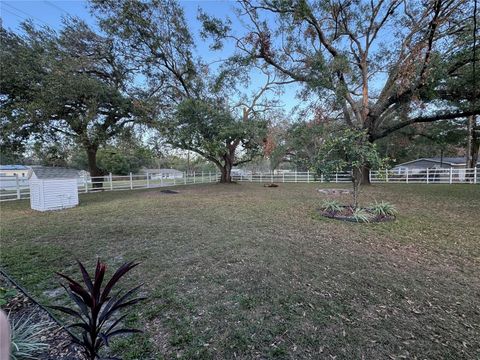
{"type": "Point", "coordinates": [26, 338]}
{"type": "Point", "coordinates": [383, 209]}
{"type": "Point", "coordinates": [361, 215]}
{"type": "Point", "coordinates": [331, 206]}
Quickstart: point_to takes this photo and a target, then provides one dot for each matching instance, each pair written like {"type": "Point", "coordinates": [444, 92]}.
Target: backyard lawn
{"type": "Point", "coordinates": [242, 271]}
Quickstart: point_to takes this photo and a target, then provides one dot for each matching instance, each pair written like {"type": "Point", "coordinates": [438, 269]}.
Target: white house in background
{"type": "Point", "coordinates": [14, 170]}
{"type": "Point", "coordinates": [420, 165]}
{"type": "Point", "coordinates": [53, 188]}
{"type": "Point", "coordinates": [454, 165]}
{"type": "Point", "coordinates": [241, 172]}
{"type": "Point", "coordinates": [156, 174]}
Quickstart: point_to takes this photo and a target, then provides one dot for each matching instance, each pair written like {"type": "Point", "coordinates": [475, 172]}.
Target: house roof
{"type": "Point", "coordinates": [13, 167]}
{"type": "Point", "coordinates": [43, 172]}
{"type": "Point", "coordinates": [445, 160]}
{"type": "Point", "coordinates": [163, 171]}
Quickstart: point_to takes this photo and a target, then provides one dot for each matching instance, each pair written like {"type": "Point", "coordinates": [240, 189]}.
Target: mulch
{"type": "Point", "coordinates": [58, 339]}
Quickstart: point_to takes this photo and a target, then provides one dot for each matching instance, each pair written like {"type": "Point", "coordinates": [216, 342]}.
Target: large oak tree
{"type": "Point", "coordinates": [380, 64]}
{"type": "Point", "coordinates": [71, 84]}
{"type": "Point", "coordinates": [198, 108]}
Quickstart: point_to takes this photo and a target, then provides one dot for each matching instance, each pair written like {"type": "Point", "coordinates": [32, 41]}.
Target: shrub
{"type": "Point", "coordinates": [361, 215]}
{"type": "Point", "coordinates": [96, 309]}
{"type": "Point", "coordinates": [383, 209]}
{"type": "Point", "coordinates": [331, 206]}
{"type": "Point", "coordinates": [26, 337]}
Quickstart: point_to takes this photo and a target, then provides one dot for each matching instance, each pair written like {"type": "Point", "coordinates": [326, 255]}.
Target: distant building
{"type": "Point", "coordinates": [430, 163]}
{"type": "Point", "coordinates": [12, 170]}
{"type": "Point", "coordinates": [164, 173]}
{"type": "Point", "coordinates": [240, 172]}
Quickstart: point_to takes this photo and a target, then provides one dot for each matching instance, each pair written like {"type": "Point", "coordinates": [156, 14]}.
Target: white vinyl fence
{"type": "Point", "coordinates": [15, 188]}
{"type": "Point", "coordinates": [413, 176]}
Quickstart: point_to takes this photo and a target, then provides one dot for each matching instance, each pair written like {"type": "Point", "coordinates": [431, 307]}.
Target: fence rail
{"type": "Point", "coordinates": [16, 188]}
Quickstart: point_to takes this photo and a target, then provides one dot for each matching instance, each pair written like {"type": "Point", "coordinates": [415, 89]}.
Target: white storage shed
{"type": "Point", "coordinates": [53, 188]}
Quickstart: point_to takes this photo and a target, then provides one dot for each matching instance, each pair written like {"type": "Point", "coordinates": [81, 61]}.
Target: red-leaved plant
{"type": "Point", "coordinates": [96, 309]}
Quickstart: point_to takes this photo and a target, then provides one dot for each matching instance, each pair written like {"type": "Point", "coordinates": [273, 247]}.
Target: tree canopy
{"type": "Point", "coordinates": [74, 85]}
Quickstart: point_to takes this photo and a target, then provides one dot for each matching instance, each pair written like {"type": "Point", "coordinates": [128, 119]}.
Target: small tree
{"type": "Point", "coordinates": [350, 151]}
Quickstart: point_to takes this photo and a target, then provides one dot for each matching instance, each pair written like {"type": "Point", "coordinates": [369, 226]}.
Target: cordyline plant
{"type": "Point", "coordinates": [96, 309]}
{"type": "Point", "coordinates": [349, 150]}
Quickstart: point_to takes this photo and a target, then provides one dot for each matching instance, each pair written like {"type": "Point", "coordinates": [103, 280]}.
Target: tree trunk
{"type": "Point", "coordinates": [469, 141]}
{"type": "Point", "coordinates": [226, 171]}
{"type": "Point", "coordinates": [95, 172]}
{"type": "Point", "coordinates": [363, 175]}
{"type": "Point", "coordinates": [473, 142]}
{"type": "Point", "coordinates": [365, 180]}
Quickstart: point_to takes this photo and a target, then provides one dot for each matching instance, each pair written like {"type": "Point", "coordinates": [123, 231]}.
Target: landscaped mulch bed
{"type": "Point", "coordinates": [346, 214]}
{"type": "Point", "coordinates": [58, 339]}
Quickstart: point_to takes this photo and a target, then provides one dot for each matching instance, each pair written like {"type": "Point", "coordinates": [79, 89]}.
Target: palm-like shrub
{"type": "Point", "coordinates": [331, 206]}
{"type": "Point", "coordinates": [25, 335]}
{"type": "Point", "coordinates": [361, 215]}
{"type": "Point", "coordinates": [383, 209]}
{"type": "Point", "coordinates": [96, 310]}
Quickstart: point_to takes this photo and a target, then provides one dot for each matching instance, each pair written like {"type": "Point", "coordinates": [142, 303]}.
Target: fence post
{"type": "Point", "coordinates": [194, 177]}
{"type": "Point", "coordinates": [321, 178]}
{"type": "Point", "coordinates": [308, 176]}
{"type": "Point", "coordinates": [451, 176]}
{"type": "Point", "coordinates": [386, 174]}
{"type": "Point", "coordinates": [428, 176]}
{"type": "Point", "coordinates": [336, 177]}
{"type": "Point", "coordinates": [407, 176]}
{"type": "Point", "coordinates": [148, 181]}
{"type": "Point", "coordinates": [202, 181]}
{"type": "Point", "coordinates": [85, 181]}
{"type": "Point", "coordinates": [111, 181]}
{"type": "Point", "coordinates": [370, 175]}
{"type": "Point", "coordinates": [161, 179]}
{"type": "Point", "coordinates": [209, 176]}
{"type": "Point", "coordinates": [283, 176]}
{"type": "Point", "coordinates": [260, 176]}
{"type": "Point", "coordinates": [131, 181]}
{"type": "Point", "coordinates": [271, 176]}
{"type": "Point", "coordinates": [17, 183]}
{"type": "Point", "coordinates": [475, 175]}
{"type": "Point", "coordinates": [295, 175]}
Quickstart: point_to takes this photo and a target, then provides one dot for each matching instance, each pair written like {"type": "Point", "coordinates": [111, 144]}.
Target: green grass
{"type": "Point", "coordinates": [243, 271]}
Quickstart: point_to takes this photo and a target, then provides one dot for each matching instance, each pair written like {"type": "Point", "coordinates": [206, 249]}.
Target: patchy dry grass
{"type": "Point", "coordinates": [244, 271]}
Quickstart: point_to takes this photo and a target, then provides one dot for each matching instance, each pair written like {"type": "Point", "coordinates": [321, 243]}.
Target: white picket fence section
{"type": "Point", "coordinates": [15, 188]}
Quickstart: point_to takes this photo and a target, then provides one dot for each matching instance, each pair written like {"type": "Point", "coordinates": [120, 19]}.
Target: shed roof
{"type": "Point", "coordinates": [43, 172]}
{"type": "Point", "coordinates": [163, 171]}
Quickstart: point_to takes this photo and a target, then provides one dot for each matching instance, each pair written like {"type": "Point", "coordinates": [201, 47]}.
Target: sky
{"type": "Point", "coordinates": [50, 13]}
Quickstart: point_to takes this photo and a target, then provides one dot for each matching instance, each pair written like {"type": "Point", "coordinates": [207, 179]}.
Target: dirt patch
{"type": "Point", "coordinates": [155, 193]}
{"type": "Point", "coordinates": [335, 191]}
{"type": "Point", "coordinates": [270, 185]}
{"type": "Point", "coordinates": [168, 191]}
